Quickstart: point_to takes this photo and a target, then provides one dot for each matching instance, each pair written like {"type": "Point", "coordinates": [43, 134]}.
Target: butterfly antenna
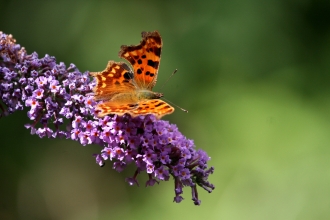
{"type": "Point", "coordinates": [175, 105]}
{"type": "Point", "coordinates": [168, 78]}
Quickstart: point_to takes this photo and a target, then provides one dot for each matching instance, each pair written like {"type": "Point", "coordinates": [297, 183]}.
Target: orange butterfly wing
{"type": "Point", "coordinates": [111, 107]}
{"type": "Point", "coordinates": [116, 78]}
{"type": "Point", "coordinates": [157, 107]}
{"type": "Point", "coordinates": [144, 58]}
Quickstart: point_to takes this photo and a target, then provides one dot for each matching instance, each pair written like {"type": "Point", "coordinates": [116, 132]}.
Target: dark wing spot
{"type": "Point", "coordinates": [131, 60]}
{"type": "Point", "coordinates": [151, 74]}
{"type": "Point", "coordinates": [138, 47]}
{"type": "Point", "coordinates": [153, 64]}
{"type": "Point", "coordinates": [139, 61]}
{"type": "Point", "coordinates": [157, 39]}
{"type": "Point", "coordinates": [128, 75]}
{"type": "Point", "coordinates": [132, 105]}
{"type": "Point", "coordinates": [159, 104]}
{"type": "Point", "coordinates": [139, 71]}
{"type": "Point", "coordinates": [167, 106]}
{"type": "Point", "coordinates": [147, 73]}
{"type": "Point", "coordinates": [117, 83]}
{"type": "Point", "coordinates": [143, 56]}
{"type": "Point", "coordinates": [158, 51]}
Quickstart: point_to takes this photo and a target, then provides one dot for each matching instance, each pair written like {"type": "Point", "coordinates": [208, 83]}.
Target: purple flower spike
{"type": "Point", "coordinates": [60, 104]}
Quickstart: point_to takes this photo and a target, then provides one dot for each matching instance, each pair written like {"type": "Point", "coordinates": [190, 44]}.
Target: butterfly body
{"type": "Point", "coordinates": [147, 94]}
{"type": "Point", "coordinates": [125, 91]}
{"type": "Point", "coordinates": [135, 97]}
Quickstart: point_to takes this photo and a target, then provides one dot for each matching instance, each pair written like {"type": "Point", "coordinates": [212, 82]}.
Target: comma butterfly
{"type": "Point", "coordinates": [124, 91]}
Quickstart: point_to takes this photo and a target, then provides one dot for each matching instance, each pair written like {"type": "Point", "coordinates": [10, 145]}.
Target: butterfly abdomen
{"type": "Point", "coordinates": [147, 94]}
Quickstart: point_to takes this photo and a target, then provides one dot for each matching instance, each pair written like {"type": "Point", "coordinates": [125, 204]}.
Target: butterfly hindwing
{"type": "Point", "coordinates": [157, 107]}
{"type": "Point", "coordinates": [110, 107]}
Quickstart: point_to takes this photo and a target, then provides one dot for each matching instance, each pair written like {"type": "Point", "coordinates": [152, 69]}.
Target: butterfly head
{"type": "Point", "coordinates": [158, 95]}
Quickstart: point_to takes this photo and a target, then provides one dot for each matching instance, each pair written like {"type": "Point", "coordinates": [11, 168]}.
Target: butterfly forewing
{"type": "Point", "coordinates": [116, 78]}
{"type": "Point", "coordinates": [144, 58]}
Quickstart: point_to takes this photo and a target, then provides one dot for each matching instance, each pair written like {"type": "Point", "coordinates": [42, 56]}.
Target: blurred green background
{"type": "Point", "coordinates": [254, 76]}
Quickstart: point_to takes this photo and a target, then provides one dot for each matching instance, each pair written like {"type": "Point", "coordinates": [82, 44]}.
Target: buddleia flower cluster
{"type": "Point", "coordinates": [59, 104]}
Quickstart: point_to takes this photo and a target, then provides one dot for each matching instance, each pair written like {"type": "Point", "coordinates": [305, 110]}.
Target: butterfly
{"type": "Point", "coordinates": [125, 91]}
